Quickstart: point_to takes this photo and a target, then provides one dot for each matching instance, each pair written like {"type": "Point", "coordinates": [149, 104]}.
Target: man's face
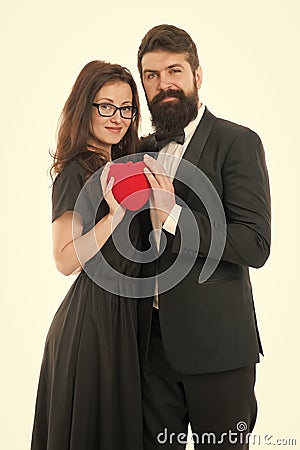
{"type": "Point", "coordinates": [163, 70]}
{"type": "Point", "coordinates": [171, 89]}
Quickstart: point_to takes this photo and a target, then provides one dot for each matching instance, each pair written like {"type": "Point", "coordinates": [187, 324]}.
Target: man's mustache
{"type": "Point", "coordinates": [177, 93]}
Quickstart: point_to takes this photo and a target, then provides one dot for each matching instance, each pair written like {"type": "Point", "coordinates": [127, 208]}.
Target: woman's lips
{"type": "Point", "coordinates": [115, 130]}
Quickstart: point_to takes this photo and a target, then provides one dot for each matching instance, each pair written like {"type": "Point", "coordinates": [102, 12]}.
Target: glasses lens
{"type": "Point", "coordinates": [128, 112]}
{"type": "Point", "coordinates": [106, 109]}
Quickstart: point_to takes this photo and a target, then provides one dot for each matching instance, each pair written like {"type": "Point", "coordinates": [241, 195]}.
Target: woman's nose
{"type": "Point", "coordinates": [116, 117]}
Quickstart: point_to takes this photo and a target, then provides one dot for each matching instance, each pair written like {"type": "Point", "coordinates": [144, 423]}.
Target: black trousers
{"type": "Point", "coordinates": [220, 407]}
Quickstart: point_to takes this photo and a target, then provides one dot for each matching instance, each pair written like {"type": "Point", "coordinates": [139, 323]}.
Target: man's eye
{"type": "Point", "coordinates": [175, 71]}
{"type": "Point", "coordinates": [150, 76]}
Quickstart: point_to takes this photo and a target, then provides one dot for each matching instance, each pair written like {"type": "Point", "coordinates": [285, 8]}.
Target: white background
{"type": "Point", "coordinates": [249, 51]}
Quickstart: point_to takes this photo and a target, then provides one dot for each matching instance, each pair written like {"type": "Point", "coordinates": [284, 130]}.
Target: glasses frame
{"type": "Point", "coordinates": [117, 108]}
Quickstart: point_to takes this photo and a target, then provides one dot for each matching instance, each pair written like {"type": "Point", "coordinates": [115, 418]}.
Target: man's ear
{"type": "Point", "coordinates": [198, 77]}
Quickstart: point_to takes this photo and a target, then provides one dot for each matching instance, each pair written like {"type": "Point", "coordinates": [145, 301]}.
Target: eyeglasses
{"type": "Point", "coordinates": [108, 110]}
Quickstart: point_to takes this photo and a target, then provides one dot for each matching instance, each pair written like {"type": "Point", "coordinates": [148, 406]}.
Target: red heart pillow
{"type": "Point", "coordinates": [131, 188]}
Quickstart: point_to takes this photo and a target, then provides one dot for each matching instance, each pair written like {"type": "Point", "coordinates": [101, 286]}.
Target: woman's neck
{"type": "Point", "coordinates": [94, 146]}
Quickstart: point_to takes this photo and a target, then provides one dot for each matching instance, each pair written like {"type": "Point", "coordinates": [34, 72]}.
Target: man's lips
{"type": "Point", "coordinates": [169, 99]}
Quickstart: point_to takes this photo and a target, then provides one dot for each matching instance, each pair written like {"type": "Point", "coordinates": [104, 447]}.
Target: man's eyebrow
{"type": "Point", "coordinates": [168, 67]}
{"type": "Point", "coordinates": [174, 65]}
{"type": "Point", "coordinates": [149, 70]}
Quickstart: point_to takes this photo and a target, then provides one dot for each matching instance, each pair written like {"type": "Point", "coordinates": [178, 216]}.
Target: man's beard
{"type": "Point", "coordinates": [173, 116]}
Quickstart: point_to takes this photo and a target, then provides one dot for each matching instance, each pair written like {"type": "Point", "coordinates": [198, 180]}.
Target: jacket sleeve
{"type": "Point", "coordinates": [246, 203]}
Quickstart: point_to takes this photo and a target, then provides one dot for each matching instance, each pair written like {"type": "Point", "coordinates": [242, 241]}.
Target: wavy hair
{"type": "Point", "coordinates": [74, 130]}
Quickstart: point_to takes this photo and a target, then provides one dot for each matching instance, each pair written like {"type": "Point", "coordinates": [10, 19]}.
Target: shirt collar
{"type": "Point", "coordinates": [191, 127]}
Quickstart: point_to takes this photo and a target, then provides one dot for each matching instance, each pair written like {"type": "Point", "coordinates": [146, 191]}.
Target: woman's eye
{"type": "Point", "coordinates": [107, 109]}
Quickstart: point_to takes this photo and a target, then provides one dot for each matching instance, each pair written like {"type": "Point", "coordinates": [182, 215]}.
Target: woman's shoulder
{"type": "Point", "coordinates": [72, 169]}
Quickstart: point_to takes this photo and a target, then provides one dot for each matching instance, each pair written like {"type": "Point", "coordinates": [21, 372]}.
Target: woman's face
{"type": "Point", "coordinates": [110, 130]}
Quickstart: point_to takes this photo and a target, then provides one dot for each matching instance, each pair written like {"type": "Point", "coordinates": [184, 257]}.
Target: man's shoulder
{"type": "Point", "coordinates": [231, 129]}
{"type": "Point", "coordinates": [223, 128]}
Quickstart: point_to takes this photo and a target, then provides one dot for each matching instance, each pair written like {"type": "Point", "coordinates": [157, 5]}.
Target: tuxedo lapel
{"type": "Point", "coordinates": [193, 153]}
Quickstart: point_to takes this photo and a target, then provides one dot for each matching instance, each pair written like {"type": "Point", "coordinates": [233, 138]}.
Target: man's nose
{"type": "Point", "coordinates": [165, 82]}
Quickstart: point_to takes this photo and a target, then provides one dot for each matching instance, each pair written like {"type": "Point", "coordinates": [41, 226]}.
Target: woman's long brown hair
{"type": "Point", "coordinates": [74, 125]}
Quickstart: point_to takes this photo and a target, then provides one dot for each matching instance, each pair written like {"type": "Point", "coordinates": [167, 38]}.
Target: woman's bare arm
{"type": "Point", "coordinates": [72, 249]}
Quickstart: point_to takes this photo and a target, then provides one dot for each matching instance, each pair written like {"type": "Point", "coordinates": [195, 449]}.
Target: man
{"type": "Point", "coordinates": [199, 341]}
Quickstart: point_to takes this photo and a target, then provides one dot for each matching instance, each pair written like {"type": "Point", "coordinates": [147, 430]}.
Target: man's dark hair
{"type": "Point", "coordinates": [170, 39]}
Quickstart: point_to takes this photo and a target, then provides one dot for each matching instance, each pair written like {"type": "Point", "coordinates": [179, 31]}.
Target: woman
{"type": "Point", "coordinates": [89, 390]}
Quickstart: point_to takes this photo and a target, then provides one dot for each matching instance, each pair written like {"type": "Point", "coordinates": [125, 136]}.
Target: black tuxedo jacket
{"type": "Point", "coordinates": [211, 326]}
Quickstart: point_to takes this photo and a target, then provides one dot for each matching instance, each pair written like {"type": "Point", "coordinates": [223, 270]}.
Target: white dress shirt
{"type": "Point", "coordinates": [170, 157]}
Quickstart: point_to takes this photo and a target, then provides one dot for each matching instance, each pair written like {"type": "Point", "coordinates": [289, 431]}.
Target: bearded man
{"type": "Point", "coordinates": [199, 341]}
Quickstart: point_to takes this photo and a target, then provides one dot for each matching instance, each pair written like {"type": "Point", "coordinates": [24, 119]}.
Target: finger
{"type": "Point", "coordinates": [110, 185]}
{"type": "Point", "coordinates": [160, 181]}
{"type": "Point", "coordinates": [108, 189]}
{"type": "Point", "coordinates": [154, 165]}
{"type": "Point", "coordinates": [104, 175]}
{"type": "Point", "coordinates": [165, 182]}
{"type": "Point", "coordinates": [159, 172]}
{"type": "Point", "coordinates": [151, 178]}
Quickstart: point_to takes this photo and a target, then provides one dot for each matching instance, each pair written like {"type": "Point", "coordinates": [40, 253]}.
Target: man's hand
{"type": "Point", "coordinates": [162, 188]}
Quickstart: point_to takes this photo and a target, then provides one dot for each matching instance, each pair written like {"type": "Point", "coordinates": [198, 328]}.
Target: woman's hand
{"type": "Point", "coordinates": [116, 211]}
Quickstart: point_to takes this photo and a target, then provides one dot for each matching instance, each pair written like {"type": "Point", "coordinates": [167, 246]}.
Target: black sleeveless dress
{"type": "Point", "coordinates": [89, 394]}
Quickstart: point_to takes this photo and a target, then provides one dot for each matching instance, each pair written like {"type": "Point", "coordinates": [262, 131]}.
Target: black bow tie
{"type": "Point", "coordinates": [162, 139]}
